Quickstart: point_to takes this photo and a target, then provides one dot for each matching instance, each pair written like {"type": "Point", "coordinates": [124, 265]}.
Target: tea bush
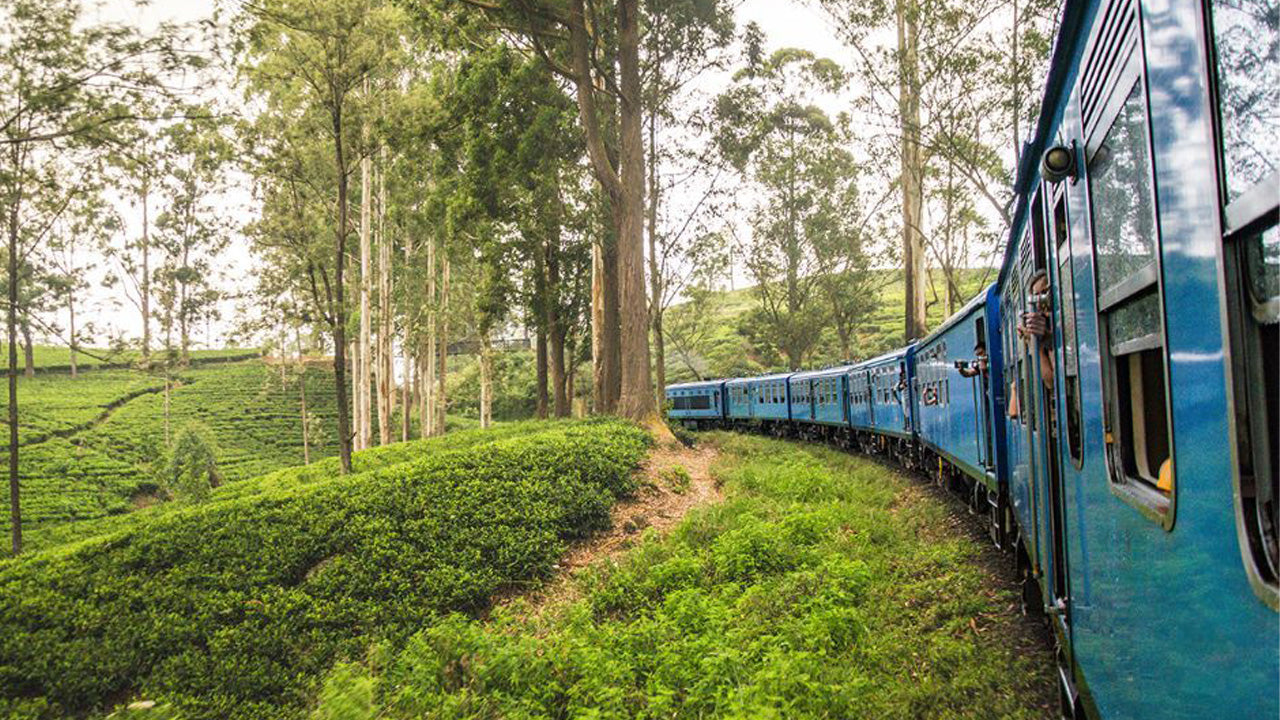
{"type": "Point", "coordinates": [235, 608]}
{"type": "Point", "coordinates": [820, 588]}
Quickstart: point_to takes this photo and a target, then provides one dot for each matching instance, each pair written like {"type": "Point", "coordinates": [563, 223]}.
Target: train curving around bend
{"type": "Point", "coordinates": [1110, 403]}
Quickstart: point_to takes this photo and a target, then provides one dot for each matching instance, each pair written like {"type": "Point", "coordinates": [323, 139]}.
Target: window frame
{"type": "Point", "coordinates": [1064, 260]}
{"type": "Point", "coordinates": [1137, 492]}
{"type": "Point", "coordinates": [1253, 212]}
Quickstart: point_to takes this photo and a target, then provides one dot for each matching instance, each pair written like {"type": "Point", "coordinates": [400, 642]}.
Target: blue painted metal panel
{"type": "Point", "coordinates": [770, 398]}
{"type": "Point", "coordinates": [953, 409]}
{"type": "Point", "coordinates": [892, 403]}
{"type": "Point", "coordinates": [1163, 622]}
{"type": "Point", "coordinates": [739, 403]}
{"type": "Point", "coordinates": [696, 400]}
{"type": "Point", "coordinates": [820, 396]}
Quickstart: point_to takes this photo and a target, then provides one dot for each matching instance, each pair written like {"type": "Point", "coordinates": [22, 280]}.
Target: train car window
{"type": "Point", "coordinates": [1070, 346]}
{"type": "Point", "coordinates": [1243, 34]}
{"type": "Point", "coordinates": [1248, 80]}
{"type": "Point", "coordinates": [1125, 239]}
{"type": "Point", "coordinates": [700, 402]}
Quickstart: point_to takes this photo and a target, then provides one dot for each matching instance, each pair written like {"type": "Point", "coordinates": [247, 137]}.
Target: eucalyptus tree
{"type": "Point", "coordinates": [308, 60]}
{"type": "Point", "coordinates": [597, 47]}
{"type": "Point", "coordinates": [66, 86]}
{"type": "Point", "coordinates": [774, 130]}
{"type": "Point", "coordinates": [955, 81]}
{"type": "Point", "coordinates": [191, 230]}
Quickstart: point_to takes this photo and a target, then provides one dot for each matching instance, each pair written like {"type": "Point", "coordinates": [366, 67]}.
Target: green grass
{"type": "Point", "coordinates": [725, 352]}
{"type": "Point", "coordinates": [823, 586]}
{"type": "Point", "coordinates": [234, 608]}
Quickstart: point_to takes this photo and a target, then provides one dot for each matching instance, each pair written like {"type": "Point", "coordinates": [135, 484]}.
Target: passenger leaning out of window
{"type": "Point", "coordinates": [979, 364]}
{"type": "Point", "coordinates": [1035, 324]}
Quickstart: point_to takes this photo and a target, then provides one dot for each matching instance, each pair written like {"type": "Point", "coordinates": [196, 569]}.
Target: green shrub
{"type": "Point", "coordinates": [192, 471]}
{"type": "Point", "coordinates": [784, 601]}
{"type": "Point", "coordinates": [676, 478]}
{"type": "Point", "coordinates": [234, 608]}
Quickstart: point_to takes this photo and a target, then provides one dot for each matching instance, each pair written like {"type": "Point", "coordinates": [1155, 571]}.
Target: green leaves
{"type": "Point", "coordinates": [233, 608]}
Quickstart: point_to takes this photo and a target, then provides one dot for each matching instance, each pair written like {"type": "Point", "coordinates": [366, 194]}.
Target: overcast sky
{"type": "Point", "coordinates": [784, 22]}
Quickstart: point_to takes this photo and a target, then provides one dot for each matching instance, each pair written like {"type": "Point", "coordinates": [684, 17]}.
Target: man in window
{"type": "Point", "coordinates": [1035, 324]}
{"type": "Point", "coordinates": [978, 366]}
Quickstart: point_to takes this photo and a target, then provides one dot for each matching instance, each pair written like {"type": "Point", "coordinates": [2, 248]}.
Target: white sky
{"type": "Point", "coordinates": [786, 23]}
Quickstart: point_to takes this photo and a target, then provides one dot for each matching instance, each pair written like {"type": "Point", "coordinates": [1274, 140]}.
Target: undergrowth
{"type": "Point", "coordinates": [823, 587]}
{"type": "Point", "coordinates": [234, 608]}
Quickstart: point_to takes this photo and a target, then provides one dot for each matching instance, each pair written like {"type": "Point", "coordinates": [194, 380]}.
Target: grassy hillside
{"type": "Point", "coordinates": [235, 607]}
{"type": "Point", "coordinates": [723, 351]}
{"type": "Point", "coordinates": [56, 358]}
{"type": "Point", "coordinates": [823, 586]}
{"type": "Point", "coordinates": [92, 445]}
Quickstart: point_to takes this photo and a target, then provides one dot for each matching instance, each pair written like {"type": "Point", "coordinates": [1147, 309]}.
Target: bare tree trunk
{"type": "Point", "coordinates": [570, 374]}
{"type": "Point", "coordinates": [541, 360]}
{"type": "Point", "coordinates": [442, 339]}
{"type": "Point", "coordinates": [655, 272]}
{"type": "Point", "coordinates": [302, 394]}
{"type": "Point", "coordinates": [407, 370]}
{"type": "Point", "coordinates": [183, 320]}
{"type": "Point", "coordinates": [28, 349]}
{"type": "Point", "coordinates": [385, 366]}
{"type": "Point", "coordinates": [357, 403]}
{"type": "Point", "coordinates": [15, 511]}
{"type": "Point", "coordinates": [338, 312]}
{"type": "Point", "coordinates": [486, 380]}
{"type": "Point", "coordinates": [637, 399]}
{"type": "Point", "coordinates": [71, 329]}
{"type": "Point", "coordinates": [912, 160]}
{"type": "Point", "coordinates": [146, 274]}
{"type": "Point", "coordinates": [426, 410]}
{"type": "Point", "coordinates": [365, 378]}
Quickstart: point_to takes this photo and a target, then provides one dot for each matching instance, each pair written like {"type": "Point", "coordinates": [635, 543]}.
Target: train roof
{"type": "Point", "coordinates": [774, 376]}
{"type": "Point", "coordinates": [881, 359]}
{"type": "Point", "coordinates": [962, 313]}
{"type": "Point", "coordinates": [824, 372]}
{"type": "Point", "coordinates": [693, 384]}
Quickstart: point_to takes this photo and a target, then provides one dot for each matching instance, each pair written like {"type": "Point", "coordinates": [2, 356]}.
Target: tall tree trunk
{"type": "Point", "coordinates": [427, 409]}
{"type": "Point", "coordinates": [71, 329]}
{"type": "Point", "coordinates": [555, 329]}
{"type": "Point", "coordinates": [386, 380]}
{"type": "Point", "coordinates": [637, 400]}
{"type": "Point", "coordinates": [442, 339]}
{"type": "Point", "coordinates": [912, 176]}
{"type": "Point", "coordinates": [486, 380]}
{"type": "Point", "coordinates": [28, 348]}
{"type": "Point", "coordinates": [145, 290]}
{"type": "Point", "coordinates": [542, 400]}
{"type": "Point", "coordinates": [655, 273]}
{"type": "Point", "coordinates": [365, 378]}
{"type": "Point", "coordinates": [357, 401]}
{"type": "Point", "coordinates": [302, 395]}
{"type": "Point", "coordinates": [15, 510]}
{"type": "Point", "coordinates": [338, 313]}
{"type": "Point", "coordinates": [407, 370]}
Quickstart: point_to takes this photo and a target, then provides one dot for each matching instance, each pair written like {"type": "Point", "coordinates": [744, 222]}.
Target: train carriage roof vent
{"type": "Point", "coordinates": [1115, 35]}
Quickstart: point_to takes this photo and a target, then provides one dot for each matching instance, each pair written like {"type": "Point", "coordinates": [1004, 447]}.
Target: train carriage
{"type": "Point", "coordinates": [697, 404]}
{"type": "Point", "coordinates": [1129, 443]}
{"type": "Point", "coordinates": [739, 405]}
{"type": "Point", "coordinates": [820, 397]}
{"type": "Point", "coordinates": [959, 404]}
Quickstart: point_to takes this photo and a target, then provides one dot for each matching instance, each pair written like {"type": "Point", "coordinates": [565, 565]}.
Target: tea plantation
{"type": "Point", "coordinates": [235, 608]}
{"type": "Point", "coordinates": [823, 586]}
{"type": "Point", "coordinates": [91, 445]}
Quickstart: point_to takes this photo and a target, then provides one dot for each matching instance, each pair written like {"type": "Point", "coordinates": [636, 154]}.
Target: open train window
{"type": "Point", "coordinates": [1130, 308]}
{"type": "Point", "coordinates": [1247, 85]}
{"type": "Point", "coordinates": [1070, 345]}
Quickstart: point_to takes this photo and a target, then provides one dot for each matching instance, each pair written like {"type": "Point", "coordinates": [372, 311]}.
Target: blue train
{"type": "Point", "coordinates": [1110, 402]}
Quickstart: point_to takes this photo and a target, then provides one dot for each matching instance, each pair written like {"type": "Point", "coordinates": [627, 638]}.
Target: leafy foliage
{"type": "Point", "coordinates": [192, 471]}
{"type": "Point", "coordinates": [229, 609]}
{"type": "Point", "coordinates": [823, 587]}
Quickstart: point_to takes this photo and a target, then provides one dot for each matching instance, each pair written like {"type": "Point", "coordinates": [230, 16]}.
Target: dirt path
{"type": "Point", "coordinates": [662, 501]}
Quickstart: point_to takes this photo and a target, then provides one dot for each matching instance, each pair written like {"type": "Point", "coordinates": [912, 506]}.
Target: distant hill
{"type": "Point", "coordinates": [723, 351]}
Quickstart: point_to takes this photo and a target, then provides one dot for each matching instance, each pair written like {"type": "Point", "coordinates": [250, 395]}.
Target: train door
{"type": "Point", "coordinates": [1043, 374]}
{"type": "Point", "coordinates": [981, 403]}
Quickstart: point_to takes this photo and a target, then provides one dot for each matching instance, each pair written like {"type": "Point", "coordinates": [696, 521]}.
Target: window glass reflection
{"type": "Point", "coordinates": [1135, 319]}
{"type": "Point", "coordinates": [1123, 204]}
{"type": "Point", "coordinates": [1247, 41]}
{"type": "Point", "coordinates": [1264, 264]}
